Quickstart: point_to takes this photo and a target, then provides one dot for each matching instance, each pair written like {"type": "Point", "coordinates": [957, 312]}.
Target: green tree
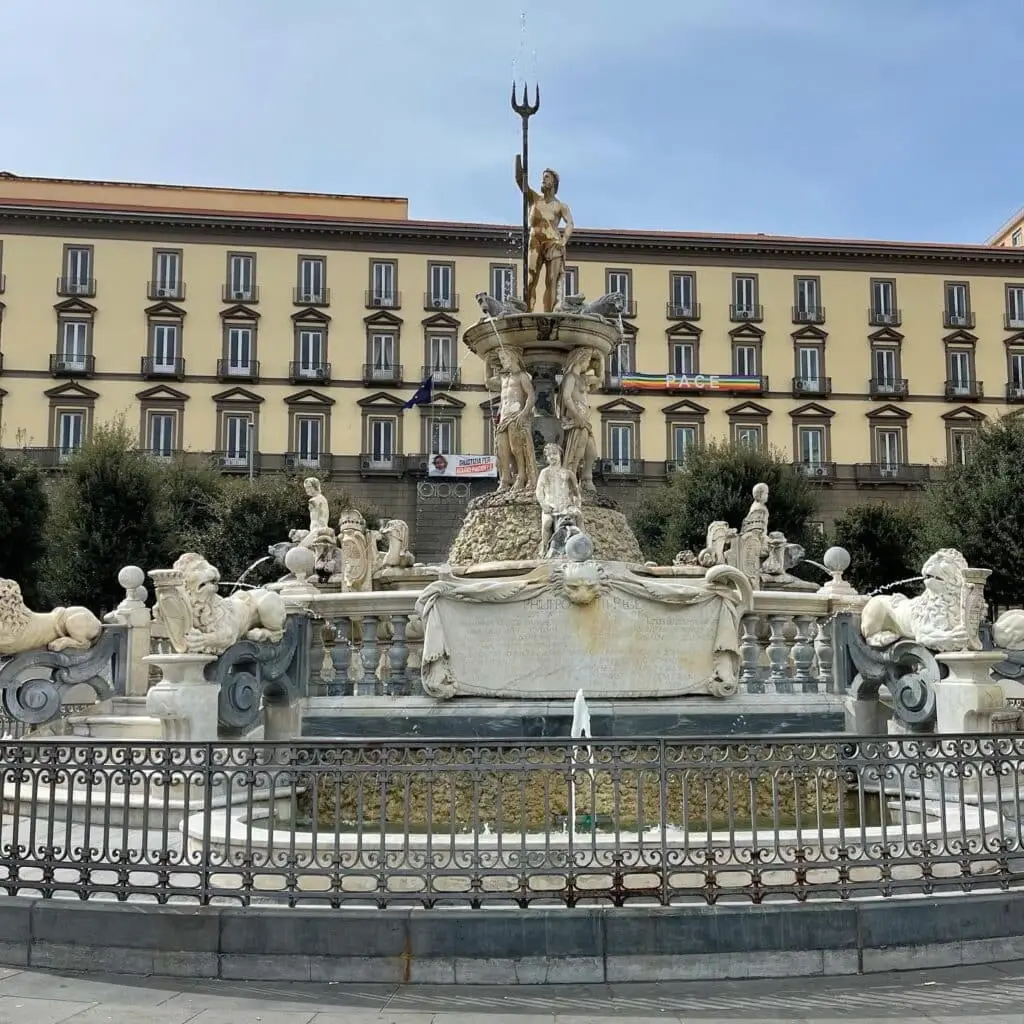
{"type": "Point", "coordinates": [885, 541]}
{"type": "Point", "coordinates": [103, 515]}
{"type": "Point", "coordinates": [978, 508]}
{"type": "Point", "coordinates": [190, 502]}
{"type": "Point", "coordinates": [716, 483]}
{"type": "Point", "coordinates": [23, 511]}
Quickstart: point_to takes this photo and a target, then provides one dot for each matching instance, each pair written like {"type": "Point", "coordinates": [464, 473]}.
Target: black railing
{"type": "Point", "coordinates": [3, 283]}
{"type": "Point", "coordinates": [441, 303]}
{"type": "Point", "coordinates": [746, 314]}
{"type": "Point", "coordinates": [373, 374]}
{"type": "Point", "coordinates": [891, 473]}
{"type": "Point", "coordinates": [444, 377]}
{"type": "Point", "coordinates": [885, 317]}
{"type": "Point", "coordinates": [808, 314]}
{"type": "Point", "coordinates": [247, 295]}
{"type": "Point", "coordinates": [618, 469]}
{"type": "Point", "coordinates": [813, 470]}
{"type": "Point", "coordinates": [299, 371]}
{"type": "Point", "coordinates": [294, 461]}
{"type": "Point", "coordinates": [682, 310]}
{"type": "Point", "coordinates": [1014, 322]}
{"type": "Point", "coordinates": [237, 461]}
{"type": "Point", "coordinates": [170, 290]}
{"type": "Point", "coordinates": [173, 368]}
{"type": "Point", "coordinates": [434, 824]}
{"type": "Point", "coordinates": [821, 386]}
{"type": "Point", "coordinates": [1015, 391]}
{"type": "Point", "coordinates": [83, 287]}
{"type": "Point", "coordinates": [955, 321]}
{"type": "Point", "coordinates": [965, 390]}
{"type": "Point", "coordinates": [311, 296]}
{"type": "Point", "coordinates": [377, 298]}
{"type": "Point", "coordinates": [229, 370]}
{"type": "Point", "coordinates": [63, 364]}
{"type": "Point", "coordinates": [373, 463]}
{"type": "Point", "coordinates": [888, 387]}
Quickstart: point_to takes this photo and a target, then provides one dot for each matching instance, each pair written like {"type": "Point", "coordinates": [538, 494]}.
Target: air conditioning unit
{"type": "Point", "coordinates": [800, 385]}
{"type": "Point", "coordinates": [366, 464]}
{"type": "Point", "coordinates": [290, 462]}
{"type": "Point", "coordinates": [957, 320]}
{"type": "Point", "coordinates": [423, 468]}
{"type": "Point", "coordinates": [817, 471]}
{"type": "Point", "coordinates": [381, 300]}
{"type": "Point", "coordinates": [1017, 392]}
{"type": "Point", "coordinates": [439, 303]}
{"type": "Point", "coordinates": [240, 294]}
{"type": "Point", "coordinates": [889, 471]}
{"type": "Point", "coordinates": [607, 466]}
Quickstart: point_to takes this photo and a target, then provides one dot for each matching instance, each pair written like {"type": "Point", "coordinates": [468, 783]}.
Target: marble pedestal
{"type": "Point", "coordinates": [967, 700]}
{"type": "Point", "coordinates": [184, 700]}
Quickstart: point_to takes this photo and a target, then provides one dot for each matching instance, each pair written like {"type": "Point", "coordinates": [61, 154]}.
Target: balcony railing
{"type": "Point", "coordinates": [441, 303]}
{"type": "Point", "coordinates": [888, 387]}
{"type": "Point", "coordinates": [371, 464]}
{"type": "Point", "coordinates": [373, 374]}
{"type": "Point", "coordinates": [904, 473]}
{"type": "Point", "coordinates": [237, 461]}
{"type": "Point", "coordinates": [1014, 322]}
{"type": "Point", "coordinates": [171, 290]}
{"type": "Point", "coordinates": [227, 370]}
{"type": "Point", "coordinates": [248, 295]}
{"type": "Point", "coordinates": [820, 471]}
{"type": "Point", "coordinates": [3, 283]}
{"type": "Point", "coordinates": [964, 390]}
{"type": "Point", "coordinates": [161, 454]}
{"type": "Point", "coordinates": [84, 287]}
{"type": "Point", "coordinates": [954, 321]}
{"type": "Point", "coordinates": [153, 367]}
{"type": "Point", "coordinates": [808, 314]}
{"type": "Point", "coordinates": [299, 371]}
{"type": "Point", "coordinates": [306, 460]}
{"type": "Point", "coordinates": [444, 376]}
{"type": "Point", "coordinates": [821, 386]}
{"type": "Point", "coordinates": [682, 311]}
{"type": "Point", "coordinates": [885, 317]}
{"type": "Point", "coordinates": [48, 458]}
{"type": "Point", "coordinates": [746, 314]}
{"type": "Point", "coordinates": [64, 365]}
{"type": "Point", "coordinates": [377, 299]}
{"type": "Point", "coordinates": [311, 296]}
{"type": "Point", "coordinates": [1015, 392]}
{"type": "Point", "coordinates": [618, 469]}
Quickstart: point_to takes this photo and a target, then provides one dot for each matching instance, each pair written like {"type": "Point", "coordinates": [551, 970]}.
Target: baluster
{"type": "Point", "coordinates": [778, 655]}
{"type": "Point", "coordinates": [341, 656]}
{"type": "Point", "coordinates": [825, 653]}
{"type": "Point", "coordinates": [370, 655]}
{"type": "Point", "coordinates": [398, 656]}
{"type": "Point", "coordinates": [750, 655]}
{"type": "Point", "coordinates": [414, 666]}
{"type": "Point", "coordinates": [803, 654]}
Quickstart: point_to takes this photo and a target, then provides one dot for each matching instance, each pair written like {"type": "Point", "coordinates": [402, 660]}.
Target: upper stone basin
{"type": "Point", "coordinates": [541, 337]}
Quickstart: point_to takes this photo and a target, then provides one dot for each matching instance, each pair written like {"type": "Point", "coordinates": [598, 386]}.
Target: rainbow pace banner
{"type": "Point", "coordinates": [695, 382]}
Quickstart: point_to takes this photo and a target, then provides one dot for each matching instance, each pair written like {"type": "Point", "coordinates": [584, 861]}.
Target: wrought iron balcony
{"type": "Point", "coordinates": [964, 390]}
{"type": "Point", "coordinates": [619, 469]}
{"type": "Point", "coordinates": [311, 296]}
{"type": "Point", "coordinates": [373, 374]}
{"type": "Point", "coordinates": [237, 461]}
{"type": "Point", "coordinates": [381, 299]}
{"type": "Point", "coordinates": [820, 471]}
{"type": "Point", "coordinates": [1011, 323]}
{"type": "Point", "coordinates": [48, 458]}
{"type": "Point", "coordinates": [682, 311]}
{"type": "Point", "coordinates": [63, 364]}
{"type": "Point", "coordinates": [309, 372]}
{"type": "Point", "coordinates": [885, 317]}
{"type": "Point", "coordinates": [161, 454]}
{"type": "Point", "coordinates": [381, 464]}
{"type": "Point", "coordinates": [172, 368]}
{"type": "Point", "coordinates": [907, 474]}
{"type": "Point", "coordinates": [248, 295]}
{"type": "Point", "coordinates": [808, 314]}
{"type": "Point", "coordinates": [294, 461]}
{"type": "Point", "coordinates": [888, 387]}
{"type": "Point", "coordinates": [1015, 391]}
{"type": "Point", "coordinates": [821, 386]}
{"type": "Point", "coordinates": [444, 376]}
{"type": "Point", "coordinates": [228, 370]}
{"type": "Point", "coordinates": [170, 290]}
{"type": "Point", "coordinates": [954, 321]}
{"type": "Point", "coordinates": [83, 287]}
{"type": "Point", "coordinates": [443, 303]}
{"type": "Point", "coordinates": [746, 314]}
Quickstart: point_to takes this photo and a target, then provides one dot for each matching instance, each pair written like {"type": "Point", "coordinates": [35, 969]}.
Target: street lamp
{"type": "Point", "coordinates": [250, 429]}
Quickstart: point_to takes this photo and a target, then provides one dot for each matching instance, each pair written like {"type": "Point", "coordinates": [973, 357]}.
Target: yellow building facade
{"type": "Point", "coordinates": [278, 331]}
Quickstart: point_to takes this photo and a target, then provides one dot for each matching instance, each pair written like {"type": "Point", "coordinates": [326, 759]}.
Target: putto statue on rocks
{"type": "Point", "coordinates": [63, 629]}
{"type": "Point", "coordinates": [558, 495]}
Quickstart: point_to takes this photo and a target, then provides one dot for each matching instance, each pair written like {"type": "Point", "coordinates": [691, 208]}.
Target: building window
{"type": "Point", "coordinates": [620, 447]}
{"type": "Point", "coordinates": [382, 431]}
{"type": "Point", "coordinates": [240, 346]}
{"type": "Point", "coordinates": [889, 447]}
{"type": "Point", "coordinates": [885, 371]}
{"type": "Point", "coordinates": [70, 432]}
{"type": "Point", "coordinates": [883, 302]}
{"type": "Point", "coordinates": [241, 283]}
{"type": "Point", "coordinates": [441, 358]}
{"type": "Point", "coordinates": [1014, 306]}
{"type": "Point", "coordinates": [442, 437]}
{"type": "Point", "coordinates": [503, 280]}
{"type": "Point", "coordinates": [310, 364]}
{"type": "Point", "coordinates": [961, 445]}
{"type": "Point", "coordinates": [74, 345]}
{"type": "Point", "coordinates": [682, 299]}
{"type": "Point", "coordinates": [744, 298]}
{"type": "Point", "coordinates": [683, 359]}
{"type": "Point", "coordinates": [312, 284]}
{"type": "Point", "coordinates": [383, 284]}
{"type": "Point", "coordinates": [808, 308]}
{"type": "Point", "coordinates": [749, 435]}
{"type": "Point", "coordinates": [1016, 237]}
{"type": "Point", "coordinates": [441, 286]}
{"type": "Point", "coordinates": [489, 409]}
{"type": "Point", "coordinates": [1016, 381]}
{"type": "Point", "coordinates": [571, 281]}
{"type": "Point", "coordinates": [237, 428]}
{"type": "Point", "coordinates": [164, 348]}
{"type": "Point", "coordinates": [620, 363]}
{"type": "Point", "coordinates": [809, 375]}
{"type": "Point", "coordinates": [811, 441]}
{"type": "Point", "coordinates": [744, 361]}
{"type": "Point", "coordinates": [167, 281]}
{"type": "Point", "coordinates": [77, 279]}
{"type": "Point", "coordinates": [960, 367]}
{"type": "Point", "coordinates": [309, 431]}
{"type": "Point", "coordinates": [684, 440]}
{"type": "Point", "coordinates": [161, 434]}
{"type": "Point", "coordinates": [382, 356]}
{"type": "Point", "coordinates": [957, 312]}
{"type": "Point", "coordinates": [621, 281]}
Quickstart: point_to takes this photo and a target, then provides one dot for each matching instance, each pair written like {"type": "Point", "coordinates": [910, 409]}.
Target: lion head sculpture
{"type": "Point", "coordinates": [14, 615]}
{"type": "Point", "coordinates": [943, 582]}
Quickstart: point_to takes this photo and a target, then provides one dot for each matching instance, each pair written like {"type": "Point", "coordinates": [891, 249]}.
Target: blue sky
{"type": "Point", "coordinates": [849, 118]}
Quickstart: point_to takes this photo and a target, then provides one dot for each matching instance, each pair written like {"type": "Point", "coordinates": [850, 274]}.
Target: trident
{"type": "Point", "coordinates": [525, 110]}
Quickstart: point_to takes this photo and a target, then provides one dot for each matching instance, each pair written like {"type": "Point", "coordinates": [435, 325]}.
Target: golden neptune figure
{"type": "Point", "coordinates": [551, 228]}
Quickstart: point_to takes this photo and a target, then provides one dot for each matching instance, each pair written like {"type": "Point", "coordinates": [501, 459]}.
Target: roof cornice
{"type": "Point", "coordinates": [585, 240]}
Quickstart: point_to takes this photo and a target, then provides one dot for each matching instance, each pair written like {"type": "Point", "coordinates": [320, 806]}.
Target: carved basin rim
{"type": "Point", "coordinates": [541, 334]}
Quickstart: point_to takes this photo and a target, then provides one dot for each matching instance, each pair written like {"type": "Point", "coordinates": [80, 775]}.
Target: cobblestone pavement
{"type": "Point", "coordinates": [983, 995]}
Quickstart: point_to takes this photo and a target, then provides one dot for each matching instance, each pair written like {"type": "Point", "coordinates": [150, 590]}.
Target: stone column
{"type": "Point", "coordinates": [967, 699]}
{"type": "Point", "coordinates": [133, 613]}
{"type": "Point", "coordinates": [184, 700]}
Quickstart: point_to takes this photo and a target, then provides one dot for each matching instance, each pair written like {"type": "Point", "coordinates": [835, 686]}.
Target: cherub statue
{"type": "Point", "coordinates": [558, 494]}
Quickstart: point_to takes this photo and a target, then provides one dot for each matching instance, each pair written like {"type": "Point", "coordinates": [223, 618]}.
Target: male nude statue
{"type": "Point", "coordinates": [513, 435]}
{"type": "Point", "coordinates": [574, 410]}
{"type": "Point", "coordinates": [548, 239]}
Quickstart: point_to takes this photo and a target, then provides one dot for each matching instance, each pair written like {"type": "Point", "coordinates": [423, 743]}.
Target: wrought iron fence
{"type": "Point", "coordinates": [435, 824]}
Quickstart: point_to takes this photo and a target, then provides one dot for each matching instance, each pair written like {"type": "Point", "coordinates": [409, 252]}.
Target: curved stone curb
{"type": "Point", "coordinates": [513, 946]}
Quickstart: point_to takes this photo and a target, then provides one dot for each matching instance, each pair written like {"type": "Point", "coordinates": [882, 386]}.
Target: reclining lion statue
{"type": "Point", "coordinates": [200, 621]}
{"type": "Point", "coordinates": [64, 629]}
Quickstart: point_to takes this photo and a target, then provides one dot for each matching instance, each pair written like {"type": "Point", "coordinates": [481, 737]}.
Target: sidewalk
{"type": "Point", "coordinates": [986, 995]}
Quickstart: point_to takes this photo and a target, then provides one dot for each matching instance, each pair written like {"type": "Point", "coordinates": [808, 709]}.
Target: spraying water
{"type": "Point", "coordinates": [256, 564]}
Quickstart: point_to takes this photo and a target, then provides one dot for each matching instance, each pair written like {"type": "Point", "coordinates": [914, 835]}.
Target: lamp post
{"type": "Point", "coordinates": [250, 429]}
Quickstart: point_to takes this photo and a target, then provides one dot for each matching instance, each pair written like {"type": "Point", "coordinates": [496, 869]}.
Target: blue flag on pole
{"type": "Point", "coordinates": [423, 395]}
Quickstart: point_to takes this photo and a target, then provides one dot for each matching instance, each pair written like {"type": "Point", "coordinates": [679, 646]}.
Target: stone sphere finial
{"type": "Point", "coordinates": [579, 548]}
{"type": "Point", "coordinates": [300, 562]}
{"type": "Point", "coordinates": [837, 560]}
{"type": "Point", "coordinates": [131, 577]}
